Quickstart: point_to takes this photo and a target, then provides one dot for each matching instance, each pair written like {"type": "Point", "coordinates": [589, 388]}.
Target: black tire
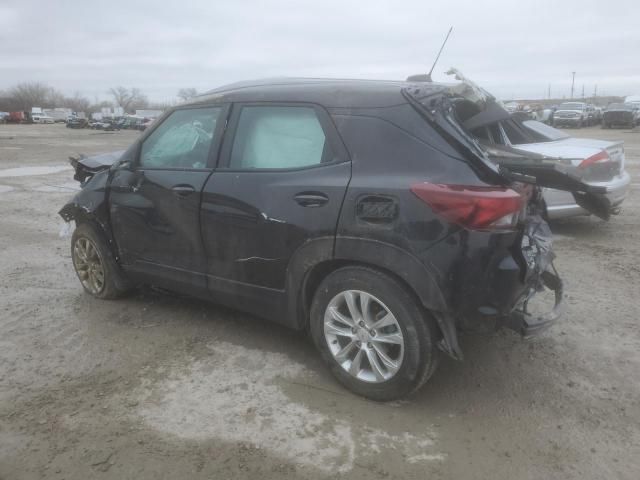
{"type": "Point", "coordinates": [114, 283]}
{"type": "Point", "coordinates": [580, 124]}
{"type": "Point", "coordinates": [419, 331]}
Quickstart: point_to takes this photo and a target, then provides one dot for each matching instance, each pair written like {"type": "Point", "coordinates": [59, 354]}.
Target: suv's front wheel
{"type": "Point", "coordinates": [95, 265]}
{"type": "Point", "coordinates": [373, 333]}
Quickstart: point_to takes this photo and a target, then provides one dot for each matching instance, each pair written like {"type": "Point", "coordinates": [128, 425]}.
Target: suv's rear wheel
{"type": "Point", "coordinates": [94, 264]}
{"type": "Point", "coordinates": [373, 334]}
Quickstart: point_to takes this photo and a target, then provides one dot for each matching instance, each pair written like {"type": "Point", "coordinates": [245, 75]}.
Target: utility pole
{"type": "Point", "coordinates": [583, 91]}
{"type": "Point", "coordinates": [549, 92]}
{"type": "Point", "coordinates": [573, 81]}
{"type": "Point", "coordinates": [595, 93]}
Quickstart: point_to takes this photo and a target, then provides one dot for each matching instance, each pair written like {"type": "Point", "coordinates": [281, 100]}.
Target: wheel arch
{"type": "Point", "coordinates": [379, 256]}
{"type": "Point", "coordinates": [90, 204]}
{"type": "Point", "coordinates": [73, 212]}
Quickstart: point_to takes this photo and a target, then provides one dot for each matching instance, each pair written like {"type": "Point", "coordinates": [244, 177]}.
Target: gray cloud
{"type": "Point", "coordinates": [511, 48]}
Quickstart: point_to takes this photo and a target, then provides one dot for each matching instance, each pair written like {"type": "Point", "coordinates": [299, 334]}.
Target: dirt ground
{"type": "Point", "coordinates": [157, 386]}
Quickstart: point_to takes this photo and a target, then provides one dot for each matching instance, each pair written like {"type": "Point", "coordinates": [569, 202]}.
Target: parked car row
{"type": "Point", "coordinates": [576, 114]}
{"type": "Point", "coordinates": [122, 123]}
{"type": "Point", "coordinates": [382, 217]}
{"type": "Point", "coordinates": [579, 114]}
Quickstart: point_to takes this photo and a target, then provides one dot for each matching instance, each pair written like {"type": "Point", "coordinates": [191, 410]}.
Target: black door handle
{"type": "Point", "coordinates": [311, 199]}
{"type": "Point", "coordinates": [183, 190]}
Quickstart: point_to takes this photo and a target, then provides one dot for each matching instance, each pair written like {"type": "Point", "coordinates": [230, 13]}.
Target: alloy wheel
{"type": "Point", "coordinates": [363, 336]}
{"type": "Point", "coordinates": [88, 264]}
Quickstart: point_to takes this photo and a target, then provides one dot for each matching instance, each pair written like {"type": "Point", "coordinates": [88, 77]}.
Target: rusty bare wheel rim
{"type": "Point", "coordinates": [363, 336]}
{"type": "Point", "coordinates": [88, 265]}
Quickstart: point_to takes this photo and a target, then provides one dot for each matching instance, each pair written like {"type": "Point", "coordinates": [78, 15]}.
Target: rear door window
{"type": "Point", "coordinates": [279, 137]}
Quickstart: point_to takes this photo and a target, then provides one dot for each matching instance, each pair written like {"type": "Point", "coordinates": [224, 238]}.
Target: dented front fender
{"type": "Point", "coordinates": [90, 205]}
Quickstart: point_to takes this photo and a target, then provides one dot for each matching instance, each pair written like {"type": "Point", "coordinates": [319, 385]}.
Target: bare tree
{"type": "Point", "coordinates": [98, 106]}
{"type": "Point", "coordinates": [31, 94]}
{"type": "Point", "coordinates": [77, 103]}
{"type": "Point", "coordinates": [138, 99]}
{"type": "Point", "coordinates": [55, 99]}
{"type": "Point", "coordinates": [185, 94]}
{"type": "Point", "coordinates": [121, 96]}
{"type": "Point", "coordinates": [128, 99]}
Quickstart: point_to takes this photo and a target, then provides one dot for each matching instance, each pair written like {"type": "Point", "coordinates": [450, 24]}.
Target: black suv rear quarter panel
{"type": "Point", "coordinates": [450, 268]}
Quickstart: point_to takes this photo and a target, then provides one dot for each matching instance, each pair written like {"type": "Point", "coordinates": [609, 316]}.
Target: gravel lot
{"type": "Point", "coordinates": [157, 386]}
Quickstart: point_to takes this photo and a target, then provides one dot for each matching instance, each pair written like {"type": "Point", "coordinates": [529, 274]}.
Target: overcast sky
{"type": "Point", "coordinates": [513, 48]}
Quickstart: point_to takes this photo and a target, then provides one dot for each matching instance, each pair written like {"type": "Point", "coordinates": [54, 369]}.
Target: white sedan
{"type": "Point", "coordinates": [598, 163]}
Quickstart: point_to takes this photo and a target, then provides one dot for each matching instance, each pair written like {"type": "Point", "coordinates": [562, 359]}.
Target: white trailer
{"type": "Point", "coordinates": [59, 114]}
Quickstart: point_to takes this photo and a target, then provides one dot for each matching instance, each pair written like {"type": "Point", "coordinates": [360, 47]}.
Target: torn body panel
{"type": "Point", "coordinates": [86, 167]}
{"type": "Point", "coordinates": [478, 108]}
{"type": "Point", "coordinates": [598, 183]}
{"type": "Point", "coordinates": [491, 285]}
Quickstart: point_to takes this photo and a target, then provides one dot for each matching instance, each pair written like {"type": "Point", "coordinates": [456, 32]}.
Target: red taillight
{"type": "Point", "coordinates": [477, 208]}
{"type": "Point", "coordinates": [601, 157]}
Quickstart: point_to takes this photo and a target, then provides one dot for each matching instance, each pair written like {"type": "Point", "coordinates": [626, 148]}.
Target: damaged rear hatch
{"type": "Point", "coordinates": [596, 163]}
{"type": "Point", "coordinates": [439, 104]}
{"type": "Point", "coordinates": [443, 105]}
{"type": "Point", "coordinates": [446, 104]}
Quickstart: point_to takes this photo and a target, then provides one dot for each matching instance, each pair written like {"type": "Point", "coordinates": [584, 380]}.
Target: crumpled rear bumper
{"type": "Point", "coordinates": [529, 325]}
{"type": "Point", "coordinates": [495, 294]}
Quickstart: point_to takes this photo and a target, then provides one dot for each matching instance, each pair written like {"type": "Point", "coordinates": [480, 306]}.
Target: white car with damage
{"type": "Point", "coordinates": [599, 163]}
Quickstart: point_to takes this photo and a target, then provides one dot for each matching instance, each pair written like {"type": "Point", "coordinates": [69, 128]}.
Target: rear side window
{"type": "Point", "coordinates": [282, 137]}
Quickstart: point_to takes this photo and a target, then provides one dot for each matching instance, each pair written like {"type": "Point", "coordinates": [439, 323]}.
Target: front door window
{"type": "Point", "coordinates": [182, 141]}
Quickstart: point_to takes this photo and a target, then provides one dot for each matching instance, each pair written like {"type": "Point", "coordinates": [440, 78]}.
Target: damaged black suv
{"type": "Point", "coordinates": [361, 211]}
